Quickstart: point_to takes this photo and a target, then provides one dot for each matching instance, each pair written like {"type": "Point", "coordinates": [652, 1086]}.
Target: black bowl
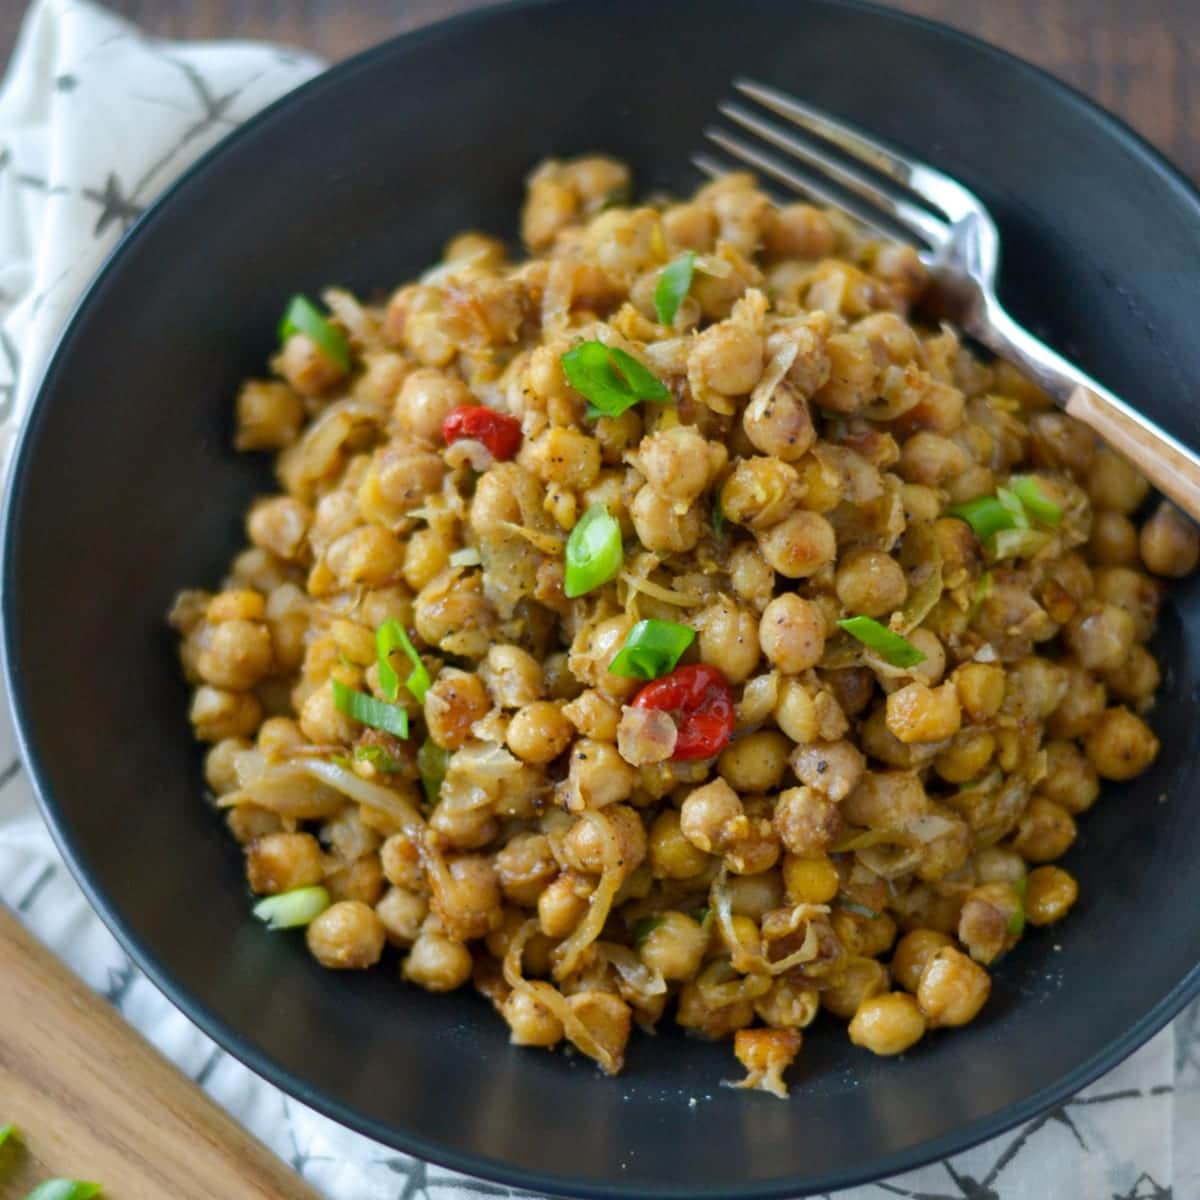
{"type": "Point", "coordinates": [126, 488]}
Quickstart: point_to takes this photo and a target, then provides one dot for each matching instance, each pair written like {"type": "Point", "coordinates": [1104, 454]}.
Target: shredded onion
{"type": "Point", "coordinates": [567, 954]}
{"type": "Point", "coordinates": [740, 957]}
{"type": "Point", "coordinates": [642, 981]}
{"type": "Point", "coordinates": [363, 791]}
{"type": "Point", "coordinates": [921, 555]}
{"type": "Point", "coordinates": [360, 324]}
{"type": "Point", "coordinates": [467, 452]}
{"type": "Point", "coordinates": [547, 543]}
{"type": "Point", "coordinates": [779, 364]}
{"type": "Point", "coordinates": [289, 790]}
{"type": "Point", "coordinates": [711, 264]}
{"type": "Point", "coordinates": [638, 583]}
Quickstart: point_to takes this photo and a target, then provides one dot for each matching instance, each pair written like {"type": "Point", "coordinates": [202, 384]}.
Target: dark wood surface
{"type": "Point", "coordinates": [1139, 58]}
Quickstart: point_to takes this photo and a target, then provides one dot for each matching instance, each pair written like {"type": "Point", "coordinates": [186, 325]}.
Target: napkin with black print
{"type": "Point", "coordinates": [95, 120]}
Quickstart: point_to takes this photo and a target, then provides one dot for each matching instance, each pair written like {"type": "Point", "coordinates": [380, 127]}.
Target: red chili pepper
{"type": "Point", "coordinates": [701, 703]}
{"type": "Point", "coordinates": [499, 432]}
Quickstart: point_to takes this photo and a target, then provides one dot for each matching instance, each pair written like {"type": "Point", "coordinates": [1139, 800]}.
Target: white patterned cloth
{"type": "Point", "coordinates": [95, 120]}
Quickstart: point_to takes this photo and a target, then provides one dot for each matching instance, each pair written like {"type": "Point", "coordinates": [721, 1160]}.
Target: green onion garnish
{"type": "Point", "coordinates": [700, 915]}
{"type": "Point", "coordinates": [610, 380]}
{"type": "Point", "coordinates": [644, 928]}
{"type": "Point", "coordinates": [64, 1189]}
{"type": "Point", "coordinates": [594, 552]}
{"type": "Point", "coordinates": [303, 316]}
{"type": "Point", "coordinates": [1021, 886]}
{"type": "Point", "coordinates": [378, 757]}
{"type": "Point", "coordinates": [431, 762]}
{"type": "Point", "coordinates": [852, 905]}
{"type": "Point", "coordinates": [389, 638]}
{"type": "Point", "coordinates": [891, 647]}
{"type": "Point", "coordinates": [983, 589]}
{"type": "Point", "coordinates": [291, 909]}
{"type": "Point", "coordinates": [986, 515]}
{"type": "Point", "coordinates": [1018, 543]}
{"type": "Point", "coordinates": [6, 1131]}
{"type": "Point", "coordinates": [468, 556]}
{"type": "Point", "coordinates": [1029, 492]}
{"type": "Point", "coordinates": [673, 286]}
{"type": "Point", "coordinates": [1016, 922]}
{"type": "Point", "coordinates": [369, 711]}
{"type": "Point", "coordinates": [652, 648]}
{"type": "Point", "coordinates": [1012, 502]}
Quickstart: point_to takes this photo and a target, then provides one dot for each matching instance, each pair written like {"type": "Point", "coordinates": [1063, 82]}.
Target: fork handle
{"type": "Point", "coordinates": [1165, 461]}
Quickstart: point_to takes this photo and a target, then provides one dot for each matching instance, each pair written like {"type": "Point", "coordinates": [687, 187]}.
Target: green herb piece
{"type": "Point", "coordinates": [982, 590]}
{"type": "Point", "coordinates": [851, 905]}
{"type": "Point", "coordinates": [594, 552]}
{"type": "Point", "coordinates": [431, 762]}
{"type": "Point", "coordinates": [986, 515]}
{"type": "Point", "coordinates": [378, 757]}
{"type": "Point", "coordinates": [303, 316]}
{"type": "Point", "coordinates": [468, 556]}
{"type": "Point", "coordinates": [1012, 502]}
{"type": "Point", "coordinates": [652, 648]}
{"type": "Point", "coordinates": [673, 285]}
{"type": "Point", "coordinates": [700, 915]}
{"type": "Point", "coordinates": [1018, 543]}
{"type": "Point", "coordinates": [1016, 921]}
{"type": "Point", "coordinates": [1027, 489]}
{"type": "Point", "coordinates": [369, 711]}
{"type": "Point", "coordinates": [389, 638]}
{"type": "Point", "coordinates": [891, 647]}
{"type": "Point", "coordinates": [290, 910]}
{"type": "Point", "coordinates": [64, 1189]}
{"type": "Point", "coordinates": [6, 1131]}
{"type": "Point", "coordinates": [644, 928]}
{"type": "Point", "coordinates": [1021, 886]}
{"type": "Point", "coordinates": [610, 380]}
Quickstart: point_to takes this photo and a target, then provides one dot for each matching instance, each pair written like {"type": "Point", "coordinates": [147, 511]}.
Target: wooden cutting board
{"type": "Point", "coordinates": [93, 1100]}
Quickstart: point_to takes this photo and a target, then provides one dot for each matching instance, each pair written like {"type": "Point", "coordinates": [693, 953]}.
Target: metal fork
{"type": "Point", "coordinates": [961, 249]}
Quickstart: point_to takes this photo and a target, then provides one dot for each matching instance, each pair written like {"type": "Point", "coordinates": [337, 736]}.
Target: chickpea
{"type": "Point", "coordinates": [220, 765]}
{"type": "Point", "coordinates": [347, 936]}
{"type": "Point", "coordinates": [539, 732]}
{"type": "Point", "coordinates": [216, 714]}
{"type": "Point", "coordinates": [464, 829]}
{"type": "Point", "coordinates": [1120, 745]}
{"type": "Point", "coordinates": [280, 862]}
{"type": "Point", "coordinates": [807, 821]}
{"type": "Point", "coordinates": [304, 363]}
{"type": "Point", "coordinates": [437, 963]}
{"type": "Point", "coordinates": [760, 492]}
{"type": "Point", "coordinates": [885, 800]}
{"type": "Point", "coordinates": [990, 921]}
{"type": "Point", "coordinates": [800, 545]}
{"type": "Point", "coordinates": [359, 880]}
{"type": "Point", "coordinates": [1079, 708]}
{"type": "Point", "coordinates": [401, 862]}
{"type": "Point", "coordinates": [1045, 831]}
{"type": "Point", "coordinates": [594, 647]}
{"type": "Point", "coordinates": [467, 901]}
{"type": "Point", "coordinates": [1136, 679]}
{"type": "Point", "coordinates": [566, 457]}
{"type": "Point", "coordinates": [247, 822]}
{"type": "Point", "coordinates": [1050, 895]}
{"type": "Point", "coordinates": [279, 525]}
{"type": "Point", "coordinates": [513, 676]}
{"type": "Point", "coordinates": [728, 358]}
{"type": "Point", "coordinates": [585, 847]}
{"type": "Point", "coordinates": [788, 1006]}
{"type": "Point", "coordinates": [812, 880]}
{"type": "Point", "coordinates": [672, 855]}
{"type": "Point", "coordinates": [1136, 593]}
{"type": "Point", "coordinates": [751, 578]}
{"type": "Point", "coordinates": [674, 945]}
{"type": "Point", "coordinates": [998, 864]}
{"type": "Point", "coordinates": [562, 904]}
{"type": "Point", "coordinates": [1059, 442]}
{"type": "Point", "coordinates": [833, 768]}
{"type": "Point", "coordinates": [269, 416]}
{"type": "Point", "coordinates": [792, 633]}
{"type": "Point", "coordinates": [798, 231]}
{"type": "Point", "coordinates": [796, 712]}
{"type": "Point", "coordinates": [690, 226]}
{"type": "Point", "coordinates": [912, 952]}
{"type": "Point", "coordinates": [966, 757]}
{"type": "Point", "coordinates": [678, 463]}
{"type": "Point", "coordinates": [729, 639]}
{"type": "Point", "coordinates": [594, 715]}
{"type": "Point", "coordinates": [524, 866]}
{"type": "Point", "coordinates": [234, 654]}
{"type": "Point", "coordinates": [1169, 543]}
{"type": "Point", "coordinates": [707, 814]}
{"type": "Point", "coordinates": [1100, 637]}
{"type": "Point", "coordinates": [660, 528]}
{"type": "Point", "coordinates": [452, 705]}
{"type": "Point", "coordinates": [919, 713]}
{"type": "Point", "coordinates": [859, 980]}
{"type": "Point", "coordinates": [888, 1024]}
{"type": "Point", "coordinates": [402, 913]}
{"type": "Point", "coordinates": [930, 459]}
{"type": "Point", "coordinates": [756, 762]}
{"type": "Point", "coordinates": [852, 373]}
{"type": "Point", "coordinates": [1114, 484]}
{"type": "Point", "coordinates": [952, 989]}
{"type": "Point", "coordinates": [598, 775]}
{"type": "Point", "coordinates": [871, 583]}
{"type": "Point", "coordinates": [1071, 780]}
{"type": "Point", "coordinates": [1114, 539]}
{"type": "Point", "coordinates": [369, 555]}
{"type": "Point", "coordinates": [779, 423]}
{"type": "Point", "coordinates": [531, 1022]}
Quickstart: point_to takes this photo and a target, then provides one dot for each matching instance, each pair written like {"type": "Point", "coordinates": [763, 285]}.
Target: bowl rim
{"type": "Point", "coordinates": [236, 1043]}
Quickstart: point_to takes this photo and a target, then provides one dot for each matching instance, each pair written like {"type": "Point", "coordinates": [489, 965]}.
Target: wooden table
{"type": "Point", "coordinates": [1139, 58]}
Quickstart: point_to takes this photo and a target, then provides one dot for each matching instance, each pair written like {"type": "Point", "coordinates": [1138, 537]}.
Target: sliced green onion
{"type": "Point", "coordinates": [1027, 489]}
{"type": "Point", "coordinates": [1018, 543]}
{"type": "Point", "coordinates": [468, 556]}
{"type": "Point", "coordinates": [652, 648]}
{"type": "Point", "coordinates": [289, 910]}
{"type": "Point", "coordinates": [378, 757]}
{"type": "Point", "coordinates": [985, 515]}
{"type": "Point", "coordinates": [64, 1189]}
{"type": "Point", "coordinates": [644, 928]}
{"type": "Point", "coordinates": [891, 647]}
{"type": "Point", "coordinates": [1012, 502]}
{"type": "Point", "coordinates": [610, 379]}
{"type": "Point", "coordinates": [6, 1131]}
{"type": "Point", "coordinates": [673, 285]}
{"type": "Point", "coordinates": [1021, 886]}
{"type": "Point", "coordinates": [368, 711]}
{"type": "Point", "coordinates": [594, 552]}
{"type": "Point", "coordinates": [982, 590]}
{"type": "Point", "coordinates": [431, 762]}
{"type": "Point", "coordinates": [303, 316]}
{"type": "Point", "coordinates": [851, 905]}
{"type": "Point", "coordinates": [1016, 921]}
{"type": "Point", "coordinates": [389, 638]}
{"type": "Point", "coordinates": [700, 915]}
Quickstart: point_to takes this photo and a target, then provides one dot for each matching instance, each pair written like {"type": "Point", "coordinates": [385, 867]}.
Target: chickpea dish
{"type": "Point", "coordinates": [668, 625]}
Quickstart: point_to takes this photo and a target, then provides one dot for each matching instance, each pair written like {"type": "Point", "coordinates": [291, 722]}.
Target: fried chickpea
{"type": "Point", "coordinates": [1045, 831]}
{"type": "Point", "coordinates": [1112, 483]}
{"type": "Point", "coordinates": [561, 906]}
{"type": "Point", "coordinates": [660, 528]}
{"type": "Point", "coordinates": [1071, 780]}
{"type": "Point", "coordinates": [216, 714]}
{"type": "Point", "coordinates": [813, 880]}
{"type": "Point", "coordinates": [280, 862]}
{"type": "Point", "coordinates": [980, 688]}
{"type": "Point", "coordinates": [859, 980]}
{"type": "Point", "coordinates": [727, 358]}
{"type": "Point", "coordinates": [729, 639]}
{"type": "Point", "coordinates": [807, 821]}
{"type": "Point", "coordinates": [594, 715]}
{"type": "Point", "coordinates": [760, 492]}
{"type": "Point", "coordinates": [347, 936]}
{"type": "Point", "coordinates": [952, 988]}
{"type": "Point", "coordinates": [779, 423]}
{"type": "Point", "coordinates": [796, 712]}
{"type": "Point", "coordinates": [513, 676]}
{"type": "Point", "coordinates": [751, 578]}
{"type": "Point", "coordinates": [586, 847]}
{"type": "Point", "coordinates": [678, 462]}
{"type": "Point", "coordinates": [220, 765]}
{"type": "Point", "coordinates": [870, 583]}
{"type": "Point", "coordinates": [564, 456]}
{"type": "Point", "coordinates": [707, 814]}
{"type": "Point", "coordinates": [912, 952]}
{"type": "Point", "coordinates": [234, 654]}
{"type": "Point", "coordinates": [269, 416]}
{"type": "Point", "coordinates": [1114, 539]}
{"type": "Point", "coordinates": [966, 756]}
{"type": "Point", "coordinates": [402, 913]}
{"type": "Point", "coordinates": [1169, 543]}
{"type": "Point", "coordinates": [931, 459]}
{"type": "Point", "coordinates": [792, 633]}
{"type": "Point", "coordinates": [672, 855]}
{"type": "Point", "coordinates": [798, 231]}
{"type": "Point", "coordinates": [998, 864]}
{"type": "Point", "coordinates": [674, 945]}
{"type": "Point", "coordinates": [539, 732]}
{"type": "Point", "coordinates": [1050, 895]}
{"type": "Point", "coordinates": [919, 713]}
{"type": "Point", "coordinates": [800, 545]}
{"type": "Point", "coordinates": [989, 921]}
{"type": "Point", "coordinates": [531, 1022]}
{"type": "Point", "coordinates": [1135, 592]}
{"type": "Point", "coordinates": [1120, 745]}
{"type": "Point", "coordinates": [1100, 637]}
{"type": "Point", "coordinates": [454, 702]}
{"type": "Point", "coordinates": [524, 866]}
{"type": "Point", "coordinates": [1136, 679]}
{"type": "Point", "coordinates": [888, 1024]}
{"type": "Point", "coordinates": [598, 775]}
{"type": "Point", "coordinates": [437, 963]}
{"type": "Point", "coordinates": [756, 762]}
